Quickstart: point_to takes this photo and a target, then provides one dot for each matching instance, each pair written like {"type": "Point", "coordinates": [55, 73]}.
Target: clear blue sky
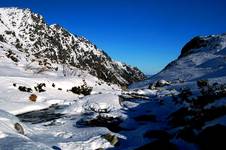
{"type": "Point", "coordinates": [144, 33]}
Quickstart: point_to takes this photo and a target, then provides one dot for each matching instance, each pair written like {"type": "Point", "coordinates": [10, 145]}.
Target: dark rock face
{"type": "Point", "coordinates": [201, 58]}
{"type": "Point", "coordinates": [31, 35]}
{"type": "Point", "coordinates": [212, 138]}
{"type": "Point", "coordinates": [200, 42]}
{"type": "Point", "coordinates": [195, 43]}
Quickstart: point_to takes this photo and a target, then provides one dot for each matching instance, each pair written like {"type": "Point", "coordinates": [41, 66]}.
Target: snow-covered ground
{"type": "Point", "coordinates": [64, 134]}
{"type": "Point", "coordinates": [108, 117]}
{"type": "Point", "coordinates": [57, 92]}
{"type": "Point", "coordinates": [47, 104]}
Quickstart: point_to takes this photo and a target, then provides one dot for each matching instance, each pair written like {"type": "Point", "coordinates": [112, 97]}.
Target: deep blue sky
{"type": "Point", "coordinates": [144, 33]}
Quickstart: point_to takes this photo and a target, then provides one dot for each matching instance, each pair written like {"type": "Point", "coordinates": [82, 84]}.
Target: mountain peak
{"type": "Point", "coordinates": [198, 43]}
{"type": "Point", "coordinates": [29, 33]}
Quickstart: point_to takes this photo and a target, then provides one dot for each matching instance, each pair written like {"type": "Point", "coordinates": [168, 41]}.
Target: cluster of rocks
{"type": "Point", "coordinates": [158, 84]}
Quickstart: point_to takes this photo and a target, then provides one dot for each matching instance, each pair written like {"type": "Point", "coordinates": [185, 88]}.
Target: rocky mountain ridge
{"type": "Point", "coordinates": [30, 34]}
{"type": "Point", "coordinates": [203, 57]}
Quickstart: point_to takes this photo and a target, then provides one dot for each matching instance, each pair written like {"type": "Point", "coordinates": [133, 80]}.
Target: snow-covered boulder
{"type": "Point", "coordinates": [158, 84]}
{"type": "Point", "coordinates": [13, 134]}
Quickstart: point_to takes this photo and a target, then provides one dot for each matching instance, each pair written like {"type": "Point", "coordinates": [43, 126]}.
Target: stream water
{"type": "Point", "coordinates": [43, 115]}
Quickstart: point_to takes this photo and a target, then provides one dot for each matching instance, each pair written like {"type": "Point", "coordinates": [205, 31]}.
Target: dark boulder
{"type": "Point", "coordinates": [24, 89]}
{"type": "Point", "coordinates": [19, 128]}
{"type": "Point", "coordinates": [195, 43]}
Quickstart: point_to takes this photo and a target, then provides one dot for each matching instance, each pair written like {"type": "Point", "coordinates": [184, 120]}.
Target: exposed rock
{"type": "Point", "coordinates": [113, 139]}
{"type": "Point", "coordinates": [202, 83]}
{"type": "Point", "coordinates": [161, 83]}
{"type": "Point", "coordinates": [33, 97]}
{"type": "Point", "coordinates": [53, 85]}
{"type": "Point", "coordinates": [83, 89]}
{"type": "Point", "coordinates": [158, 84]}
{"type": "Point", "coordinates": [39, 87]}
{"type": "Point", "coordinates": [19, 128]}
{"type": "Point", "coordinates": [195, 43]}
{"type": "Point", "coordinates": [56, 148]}
{"type": "Point", "coordinates": [25, 89]}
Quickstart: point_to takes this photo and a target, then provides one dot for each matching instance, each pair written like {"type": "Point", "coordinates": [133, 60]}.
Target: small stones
{"type": "Point", "coordinates": [33, 97]}
{"type": "Point", "coordinates": [39, 87]}
{"type": "Point", "coordinates": [19, 128]}
{"type": "Point", "coordinates": [24, 89]}
{"type": "Point", "coordinates": [161, 83]}
{"type": "Point", "coordinates": [53, 85]}
{"type": "Point", "coordinates": [113, 139]}
{"type": "Point", "coordinates": [12, 56]}
{"type": "Point", "coordinates": [56, 147]}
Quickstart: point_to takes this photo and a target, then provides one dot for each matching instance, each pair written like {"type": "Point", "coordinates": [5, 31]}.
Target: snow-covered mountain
{"type": "Point", "coordinates": [64, 79]}
{"type": "Point", "coordinates": [201, 58]}
{"type": "Point", "coordinates": [53, 45]}
{"type": "Point", "coordinates": [51, 102]}
{"type": "Point", "coordinates": [187, 110]}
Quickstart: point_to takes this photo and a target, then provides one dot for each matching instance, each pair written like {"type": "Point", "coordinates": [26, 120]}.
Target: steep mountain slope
{"type": "Point", "coordinates": [49, 45]}
{"type": "Point", "coordinates": [54, 82]}
{"type": "Point", "coordinates": [202, 57]}
{"type": "Point", "coordinates": [57, 112]}
{"type": "Point", "coordinates": [187, 112]}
